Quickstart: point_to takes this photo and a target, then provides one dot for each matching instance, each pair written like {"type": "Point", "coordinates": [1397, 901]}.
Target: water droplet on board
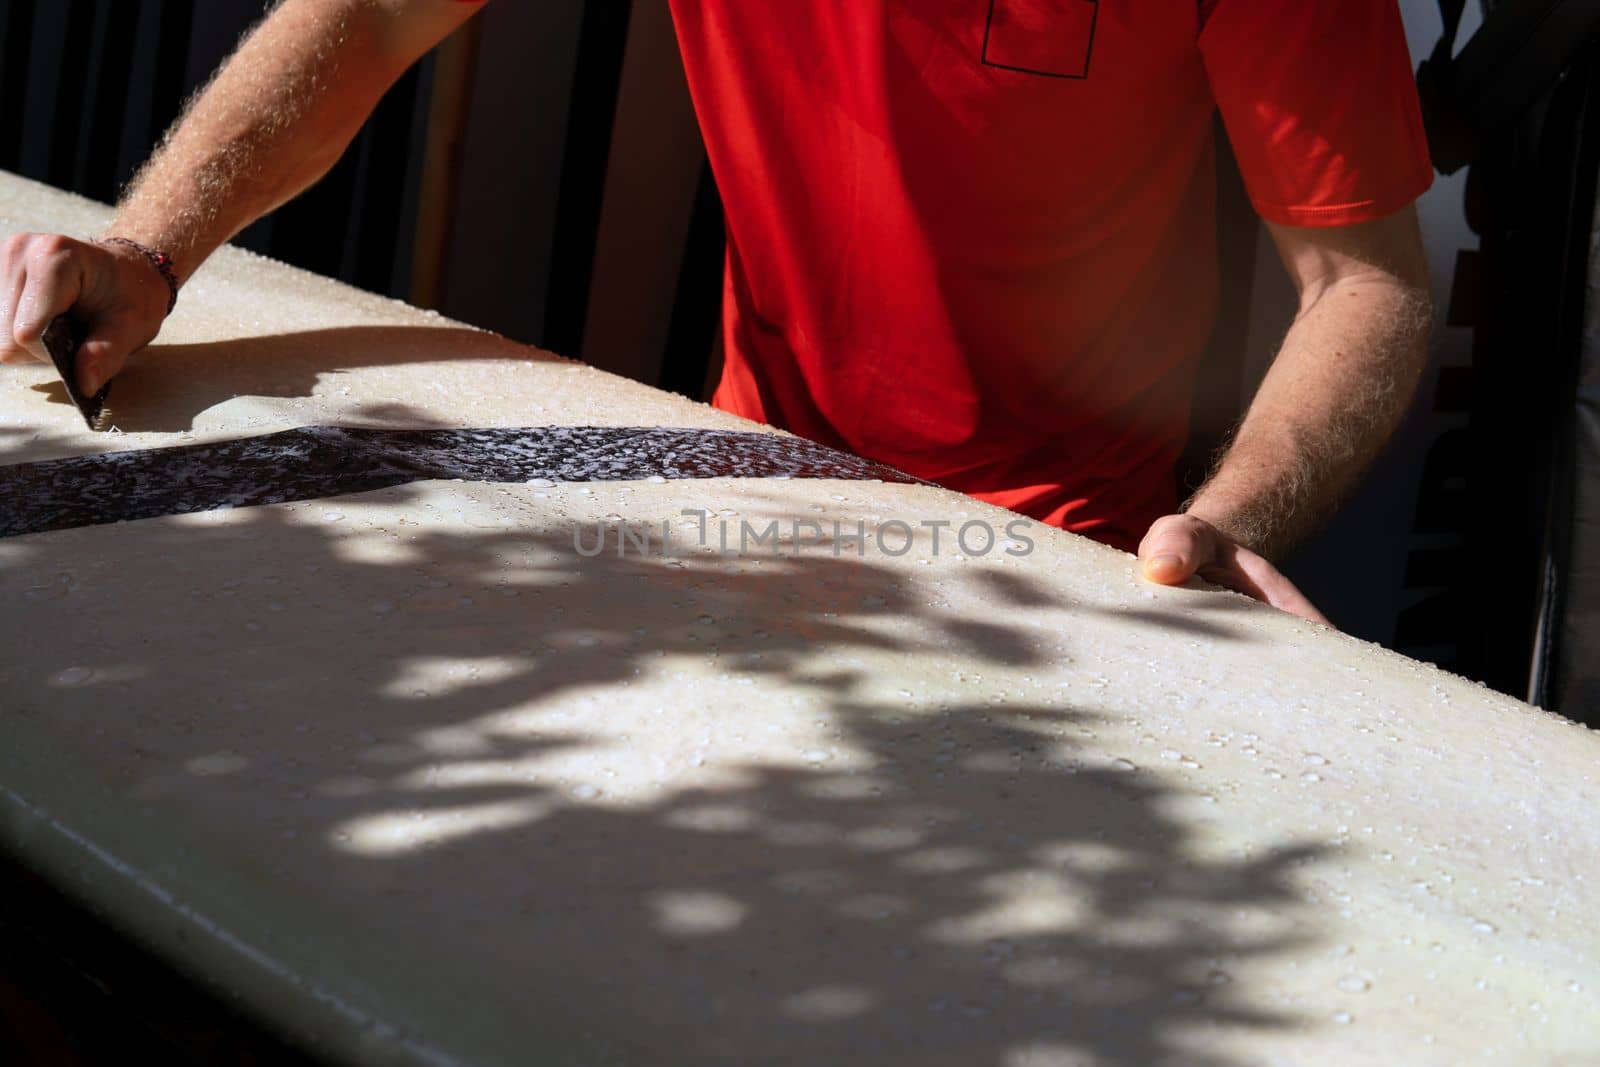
{"type": "Point", "coordinates": [1342, 1017]}
{"type": "Point", "coordinates": [333, 516]}
{"type": "Point", "coordinates": [1481, 927]}
{"type": "Point", "coordinates": [585, 792]}
{"type": "Point", "coordinates": [1354, 984]}
{"type": "Point", "coordinates": [74, 675]}
{"type": "Point", "coordinates": [540, 483]}
{"type": "Point", "coordinates": [1316, 760]}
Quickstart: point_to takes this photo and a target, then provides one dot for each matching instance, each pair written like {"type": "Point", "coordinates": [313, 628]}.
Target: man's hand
{"type": "Point", "coordinates": [1340, 385]}
{"type": "Point", "coordinates": [116, 297]}
{"type": "Point", "coordinates": [1179, 547]}
{"type": "Point", "coordinates": [277, 116]}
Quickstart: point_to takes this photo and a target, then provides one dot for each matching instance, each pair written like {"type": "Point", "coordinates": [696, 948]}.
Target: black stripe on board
{"type": "Point", "coordinates": [315, 462]}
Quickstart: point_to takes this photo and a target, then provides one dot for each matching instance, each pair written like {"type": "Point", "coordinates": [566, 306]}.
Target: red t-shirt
{"type": "Point", "coordinates": [974, 239]}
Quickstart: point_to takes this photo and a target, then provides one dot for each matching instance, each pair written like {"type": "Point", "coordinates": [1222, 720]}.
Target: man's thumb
{"type": "Point", "coordinates": [1169, 568]}
{"type": "Point", "coordinates": [1171, 551]}
{"type": "Point", "coordinates": [100, 357]}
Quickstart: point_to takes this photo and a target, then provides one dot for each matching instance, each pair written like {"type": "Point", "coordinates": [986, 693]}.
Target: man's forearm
{"type": "Point", "coordinates": [1329, 403]}
{"type": "Point", "coordinates": [274, 120]}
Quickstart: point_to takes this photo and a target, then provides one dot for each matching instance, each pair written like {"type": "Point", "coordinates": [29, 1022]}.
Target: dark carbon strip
{"type": "Point", "coordinates": [325, 461]}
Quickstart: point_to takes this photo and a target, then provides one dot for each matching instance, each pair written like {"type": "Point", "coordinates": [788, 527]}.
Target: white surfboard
{"type": "Point", "coordinates": [357, 726]}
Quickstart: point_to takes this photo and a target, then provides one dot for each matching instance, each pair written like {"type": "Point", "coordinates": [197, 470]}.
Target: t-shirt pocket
{"type": "Point", "coordinates": [1053, 38]}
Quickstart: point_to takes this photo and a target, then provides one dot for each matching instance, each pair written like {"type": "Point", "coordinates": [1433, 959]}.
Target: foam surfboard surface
{"type": "Point", "coordinates": [412, 770]}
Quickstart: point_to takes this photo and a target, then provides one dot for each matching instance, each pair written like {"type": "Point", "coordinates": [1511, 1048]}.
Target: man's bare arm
{"type": "Point", "coordinates": [1337, 390]}
{"type": "Point", "coordinates": [1328, 405]}
{"type": "Point", "coordinates": [277, 116]}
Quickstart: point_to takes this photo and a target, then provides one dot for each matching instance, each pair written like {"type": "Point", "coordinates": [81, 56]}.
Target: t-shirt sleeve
{"type": "Point", "coordinates": [1320, 106]}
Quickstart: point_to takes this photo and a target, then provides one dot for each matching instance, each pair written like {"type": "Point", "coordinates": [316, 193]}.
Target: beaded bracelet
{"type": "Point", "coordinates": [157, 259]}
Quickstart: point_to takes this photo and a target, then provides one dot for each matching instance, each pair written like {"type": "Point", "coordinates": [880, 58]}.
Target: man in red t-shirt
{"type": "Point", "coordinates": [973, 239]}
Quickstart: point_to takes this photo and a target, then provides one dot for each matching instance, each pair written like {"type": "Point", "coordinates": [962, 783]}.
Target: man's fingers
{"type": "Point", "coordinates": [117, 301]}
{"type": "Point", "coordinates": [1175, 548]}
{"type": "Point", "coordinates": [52, 285]}
{"type": "Point", "coordinates": [1274, 588]}
{"type": "Point", "coordinates": [1179, 546]}
{"type": "Point", "coordinates": [11, 284]}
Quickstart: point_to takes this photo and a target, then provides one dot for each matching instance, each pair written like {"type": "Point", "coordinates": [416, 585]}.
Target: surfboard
{"type": "Point", "coordinates": [447, 702]}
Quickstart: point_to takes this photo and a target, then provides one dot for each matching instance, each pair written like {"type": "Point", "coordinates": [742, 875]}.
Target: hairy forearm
{"type": "Point", "coordinates": [1331, 400]}
{"type": "Point", "coordinates": [274, 120]}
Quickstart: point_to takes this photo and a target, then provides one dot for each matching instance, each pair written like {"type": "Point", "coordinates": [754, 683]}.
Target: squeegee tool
{"type": "Point", "coordinates": [61, 341]}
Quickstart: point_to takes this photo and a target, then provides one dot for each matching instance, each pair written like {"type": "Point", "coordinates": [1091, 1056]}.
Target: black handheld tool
{"type": "Point", "coordinates": [61, 340]}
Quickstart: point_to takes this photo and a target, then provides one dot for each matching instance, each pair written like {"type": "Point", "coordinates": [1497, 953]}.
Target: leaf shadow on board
{"type": "Point", "coordinates": [144, 398]}
{"type": "Point", "coordinates": [528, 790]}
